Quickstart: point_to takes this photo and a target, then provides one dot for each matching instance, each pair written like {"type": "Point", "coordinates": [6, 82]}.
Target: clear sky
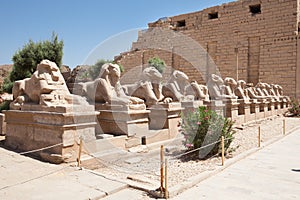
{"type": "Point", "coordinates": [85, 26]}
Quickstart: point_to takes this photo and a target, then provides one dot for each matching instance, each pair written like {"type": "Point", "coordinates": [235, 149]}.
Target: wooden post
{"type": "Point", "coordinates": [166, 180]}
{"type": "Point", "coordinates": [162, 168]}
{"type": "Point", "coordinates": [223, 150]}
{"type": "Point", "coordinates": [283, 127]}
{"type": "Point", "coordinates": [259, 136]}
{"type": "Point", "coordinates": [79, 153]}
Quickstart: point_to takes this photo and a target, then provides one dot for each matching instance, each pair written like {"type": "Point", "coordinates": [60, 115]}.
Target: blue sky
{"type": "Point", "coordinates": [90, 29]}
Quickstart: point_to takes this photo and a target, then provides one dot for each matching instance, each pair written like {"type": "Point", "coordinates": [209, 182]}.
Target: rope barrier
{"type": "Point", "coordinates": [119, 168]}
{"type": "Point", "coordinates": [41, 149]}
{"type": "Point", "coordinates": [186, 153]}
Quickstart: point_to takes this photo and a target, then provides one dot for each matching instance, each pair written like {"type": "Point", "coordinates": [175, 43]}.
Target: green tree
{"type": "Point", "coordinates": [158, 63]}
{"type": "Point", "coordinates": [94, 70]}
{"type": "Point", "coordinates": [26, 59]}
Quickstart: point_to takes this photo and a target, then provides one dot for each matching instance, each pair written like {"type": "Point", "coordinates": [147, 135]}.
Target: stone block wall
{"type": "Point", "coordinates": [253, 40]}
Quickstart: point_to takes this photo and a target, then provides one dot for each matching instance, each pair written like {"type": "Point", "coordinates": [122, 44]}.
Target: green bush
{"type": "Point", "coordinates": [294, 110]}
{"type": "Point", "coordinates": [7, 86]}
{"type": "Point", "coordinates": [4, 105]}
{"type": "Point", "coordinates": [204, 127]}
{"type": "Point", "coordinates": [157, 63]}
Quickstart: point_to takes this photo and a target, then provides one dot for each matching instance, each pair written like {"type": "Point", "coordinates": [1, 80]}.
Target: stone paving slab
{"type": "Point", "coordinates": [271, 173]}
{"type": "Point", "coordinates": [26, 178]}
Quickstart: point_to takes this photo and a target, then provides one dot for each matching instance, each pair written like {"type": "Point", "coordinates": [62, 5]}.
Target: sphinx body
{"type": "Point", "coordinates": [241, 91]}
{"type": "Point", "coordinates": [144, 89]}
{"type": "Point", "coordinates": [176, 86]}
{"type": "Point", "coordinates": [218, 90]}
{"type": "Point", "coordinates": [200, 92]}
{"type": "Point", "coordinates": [45, 87]}
{"type": "Point", "coordinates": [107, 88]}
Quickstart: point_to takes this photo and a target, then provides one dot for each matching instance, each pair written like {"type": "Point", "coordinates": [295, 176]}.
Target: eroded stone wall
{"type": "Point", "coordinates": [253, 40]}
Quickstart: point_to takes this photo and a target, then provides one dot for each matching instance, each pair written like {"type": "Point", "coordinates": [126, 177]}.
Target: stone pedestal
{"type": "Point", "coordinates": [263, 109]}
{"type": "Point", "coordinates": [271, 109]}
{"type": "Point", "coordinates": [231, 108]}
{"type": "Point", "coordinates": [217, 105]}
{"type": "Point", "coordinates": [254, 110]}
{"type": "Point", "coordinates": [2, 124]}
{"type": "Point", "coordinates": [244, 113]}
{"type": "Point", "coordinates": [277, 107]}
{"type": "Point", "coordinates": [122, 119]}
{"type": "Point", "coordinates": [284, 105]}
{"type": "Point", "coordinates": [165, 116]}
{"type": "Point", "coordinates": [28, 130]}
{"type": "Point", "coordinates": [190, 106]}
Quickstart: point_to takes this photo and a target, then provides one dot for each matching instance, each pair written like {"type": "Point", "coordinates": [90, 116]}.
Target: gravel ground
{"type": "Point", "coordinates": [145, 166]}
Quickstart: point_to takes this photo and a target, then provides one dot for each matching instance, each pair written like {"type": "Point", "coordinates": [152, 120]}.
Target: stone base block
{"type": "Point", "coordinates": [165, 118]}
{"type": "Point", "coordinates": [2, 124]}
{"type": "Point", "coordinates": [126, 122]}
{"type": "Point", "coordinates": [190, 106]}
{"type": "Point", "coordinates": [231, 109]}
{"type": "Point", "coordinates": [217, 105]}
{"type": "Point", "coordinates": [33, 130]}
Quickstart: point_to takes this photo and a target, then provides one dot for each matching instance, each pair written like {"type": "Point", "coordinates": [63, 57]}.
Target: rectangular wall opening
{"type": "Point", "coordinates": [180, 23]}
{"type": "Point", "coordinates": [214, 15]}
{"type": "Point", "coordinates": [255, 9]}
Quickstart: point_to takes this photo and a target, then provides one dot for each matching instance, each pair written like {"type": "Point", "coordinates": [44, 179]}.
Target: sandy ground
{"type": "Point", "coordinates": [144, 166]}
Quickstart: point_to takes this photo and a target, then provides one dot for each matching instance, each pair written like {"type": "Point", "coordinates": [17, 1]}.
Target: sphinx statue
{"type": "Point", "coordinates": [152, 75]}
{"type": "Point", "coordinates": [279, 92]}
{"type": "Point", "coordinates": [230, 86]}
{"type": "Point", "coordinates": [107, 88]}
{"type": "Point", "coordinates": [176, 86]}
{"type": "Point", "coordinates": [200, 92]}
{"type": "Point", "coordinates": [253, 93]}
{"type": "Point", "coordinates": [217, 88]}
{"type": "Point", "coordinates": [241, 91]}
{"type": "Point", "coordinates": [143, 88]}
{"type": "Point", "coordinates": [271, 92]}
{"type": "Point", "coordinates": [261, 89]}
{"type": "Point", "coordinates": [46, 87]}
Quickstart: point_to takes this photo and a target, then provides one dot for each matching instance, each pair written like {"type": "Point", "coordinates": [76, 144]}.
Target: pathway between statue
{"type": "Point", "coordinates": [271, 173]}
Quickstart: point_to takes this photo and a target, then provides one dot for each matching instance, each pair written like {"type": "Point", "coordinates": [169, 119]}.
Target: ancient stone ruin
{"type": "Point", "coordinates": [255, 41]}
{"type": "Point", "coordinates": [45, 113]}
{"type": "Point", "coordinates": [235, 58]}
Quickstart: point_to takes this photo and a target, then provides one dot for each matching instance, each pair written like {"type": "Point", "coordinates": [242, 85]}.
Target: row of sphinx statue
{"type": "Point", "coordinates": [47, 87]}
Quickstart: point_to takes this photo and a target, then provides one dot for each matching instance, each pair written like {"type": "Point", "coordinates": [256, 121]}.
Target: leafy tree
{"type": "Point", "coordinates": [94, 70]}
{"type": "Point", "coordinates": [26, 59]}
{"type": "Point", "coordinates": [158, 63]}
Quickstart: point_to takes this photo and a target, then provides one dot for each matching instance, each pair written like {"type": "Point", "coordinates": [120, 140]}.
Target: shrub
{"type": "Point", "coordinates": [157, 63]}
{"type": "Point", "coordinates": [4, 105]}
{"type": "Point", "coordinates": [294, 110]}
{"type": "Point", "coordinates": [204, 127]}
{"type": "Point", "coordinates": [7, 86]}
